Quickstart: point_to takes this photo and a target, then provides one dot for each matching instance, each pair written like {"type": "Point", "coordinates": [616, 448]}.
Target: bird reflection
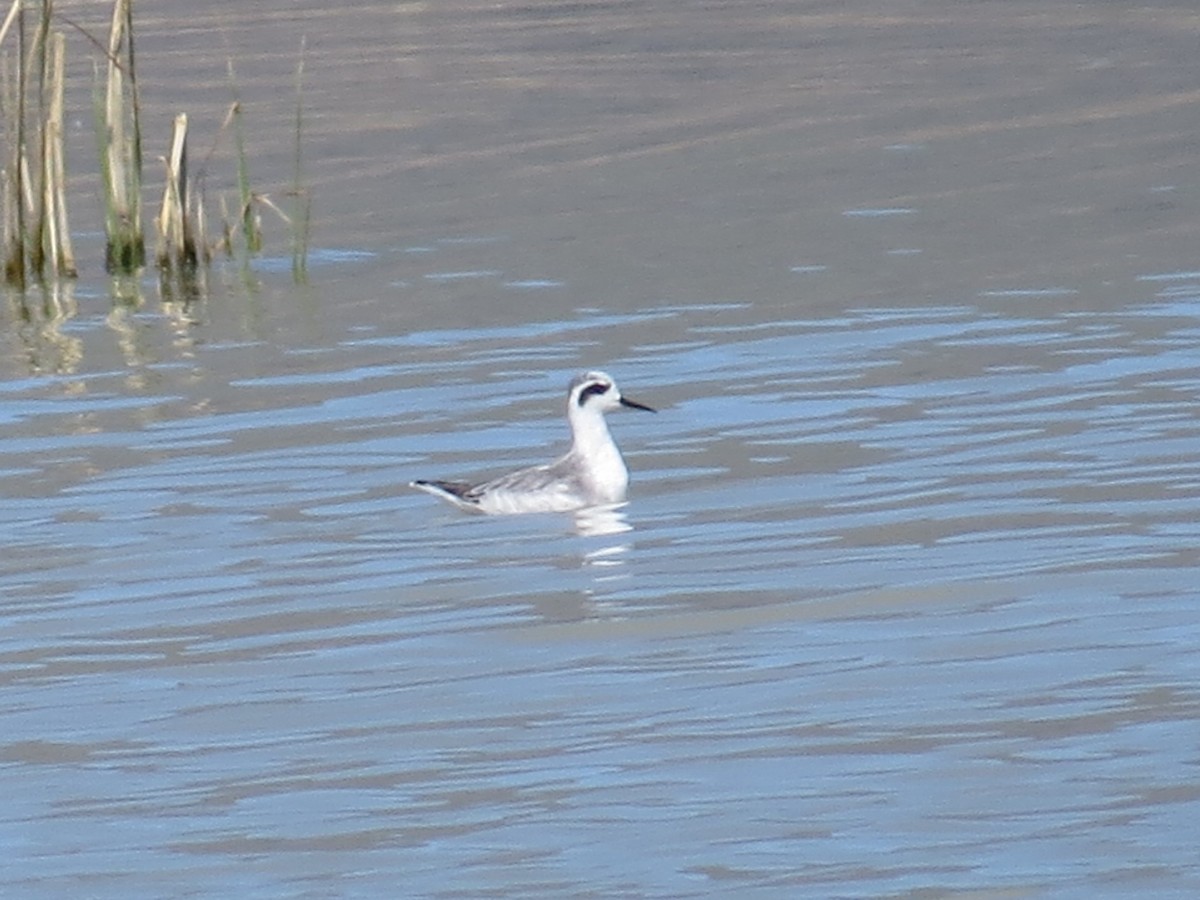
{"type": "Point", "coordinates": [601, 520]}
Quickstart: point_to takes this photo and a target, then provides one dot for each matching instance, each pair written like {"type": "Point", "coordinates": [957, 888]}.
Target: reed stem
{"type": "Point", "coordinates": [122, 150]}
{"type": "Point", "coordinates": [176, 248]}
{"type": "Point", "coordinates": [57, 233]}
{"type": "Point", "coordinates": [247, 210]}
{"type": "Point", "coordinates": [301, 218]}
{"type": "Point", "coordinates": [16, 172]}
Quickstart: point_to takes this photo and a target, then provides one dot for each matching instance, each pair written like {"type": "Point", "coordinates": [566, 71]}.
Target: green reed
{"type": "Point", "coordinates": [301, 217]}
{"type": "Point", "coordinates": [33, 200]}
{"type": "Point", "coordinates": [37, 236]}
{"type": "Point", "coordinates": [120, 136]}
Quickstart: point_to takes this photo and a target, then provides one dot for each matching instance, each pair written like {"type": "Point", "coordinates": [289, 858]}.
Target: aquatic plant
{"type": "Point", "coordinates": [33, 203]}
{"type": "Point", "coordinates": [180, 249]}
{"type": "Point", "coordinates": [120, 136]}
{"type": "Point", "coordinates": [301, 217]}
{"type": "Point", "coordinates": [37, 236]}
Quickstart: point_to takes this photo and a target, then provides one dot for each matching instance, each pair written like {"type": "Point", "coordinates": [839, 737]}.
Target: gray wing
{"type": "Point", "coordinates": [555, 476]}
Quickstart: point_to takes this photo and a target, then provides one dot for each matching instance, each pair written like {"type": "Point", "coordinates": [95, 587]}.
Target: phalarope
{"type": "Point", "coordinates": [591, 473]}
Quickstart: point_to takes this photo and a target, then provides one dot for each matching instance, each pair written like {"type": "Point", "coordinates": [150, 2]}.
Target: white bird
{"type": "Point", "coordinates": [591, 473]}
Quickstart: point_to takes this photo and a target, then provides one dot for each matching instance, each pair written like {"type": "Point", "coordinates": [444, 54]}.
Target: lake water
{"type": "Point", "coordinates": [904, 600]}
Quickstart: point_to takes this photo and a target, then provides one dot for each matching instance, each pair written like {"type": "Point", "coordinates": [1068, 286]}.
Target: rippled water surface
{"type": "Point", "coordinates": [904, 601]}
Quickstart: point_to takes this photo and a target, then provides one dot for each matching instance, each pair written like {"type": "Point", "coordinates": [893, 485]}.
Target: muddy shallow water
{"type": "Point", "coordinates": [904, 599]}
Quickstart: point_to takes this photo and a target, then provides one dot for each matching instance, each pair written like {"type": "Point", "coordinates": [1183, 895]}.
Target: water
{"type": "Point", "coordinates": [903, 603]}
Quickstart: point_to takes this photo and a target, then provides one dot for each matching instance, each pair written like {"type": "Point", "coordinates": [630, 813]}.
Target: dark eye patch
{"type": "Point", "coordinates": [593, 390]}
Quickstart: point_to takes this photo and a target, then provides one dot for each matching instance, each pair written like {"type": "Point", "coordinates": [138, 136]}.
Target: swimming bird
{"type": "Point", "coordinates": [591, 473]}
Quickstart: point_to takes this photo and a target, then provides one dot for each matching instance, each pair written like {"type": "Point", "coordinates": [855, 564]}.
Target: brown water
{"type": "Point", "coordinates": [904, 601]}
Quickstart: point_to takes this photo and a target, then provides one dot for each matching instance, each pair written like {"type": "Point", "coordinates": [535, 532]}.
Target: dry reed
{"type": "Point", "coordinates": [121, 149]}
{"type": "Point", "coordinates": [36, 232]}
{"type": "Point", "coordinates": [33, 202]}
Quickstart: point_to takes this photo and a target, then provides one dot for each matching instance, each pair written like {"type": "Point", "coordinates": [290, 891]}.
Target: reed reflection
{"type": "Point", "coordinates": [37, 317]}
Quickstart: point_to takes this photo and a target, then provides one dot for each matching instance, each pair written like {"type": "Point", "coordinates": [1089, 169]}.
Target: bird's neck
{"type": "Point", "coordinates": [590, 436]}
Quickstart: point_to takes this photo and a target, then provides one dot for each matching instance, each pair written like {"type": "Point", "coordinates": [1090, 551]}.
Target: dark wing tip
{"type": "Point", "coordinates": [460, 490]}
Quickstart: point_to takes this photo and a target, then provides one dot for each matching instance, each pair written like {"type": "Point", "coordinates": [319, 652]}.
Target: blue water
{"type": "Point", "coordinates": [943, 615]}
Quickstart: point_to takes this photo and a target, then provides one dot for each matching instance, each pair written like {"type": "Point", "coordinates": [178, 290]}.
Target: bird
{"type": "Point", "coordinates": [591, 474]}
